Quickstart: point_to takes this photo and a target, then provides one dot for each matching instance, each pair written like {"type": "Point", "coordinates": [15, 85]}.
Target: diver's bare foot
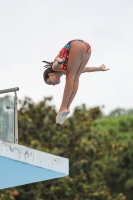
{"type": "Point", "coordinates": [61, 116]}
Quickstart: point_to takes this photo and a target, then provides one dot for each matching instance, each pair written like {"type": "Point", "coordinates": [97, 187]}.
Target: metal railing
{"type": "Point", "coordinates": [15, 110]}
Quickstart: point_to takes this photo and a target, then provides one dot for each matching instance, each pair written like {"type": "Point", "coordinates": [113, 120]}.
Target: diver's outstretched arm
{"type": "Point", "coordinates": [95, 69]}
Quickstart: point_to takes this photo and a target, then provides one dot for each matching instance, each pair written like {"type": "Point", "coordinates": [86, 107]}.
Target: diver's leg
{"type": "Point", "coordinates": [76, 56]}
{"type": "Point", "coordinates": [76, 82]}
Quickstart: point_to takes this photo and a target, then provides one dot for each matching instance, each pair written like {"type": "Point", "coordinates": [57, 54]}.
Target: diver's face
{"type": "Point", "coordinates": [53, 79]}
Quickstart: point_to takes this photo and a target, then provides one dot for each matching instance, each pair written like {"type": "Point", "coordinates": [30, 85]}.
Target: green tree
{"type": "Point", "coordinates": [78, 140]}
{"type": "Point", "coordinates": [118, 167]}
{"type": "Point", "coordinates": [120, 112]}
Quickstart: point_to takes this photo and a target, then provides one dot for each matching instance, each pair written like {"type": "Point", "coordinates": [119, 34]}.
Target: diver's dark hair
{"type": "Point", "coordinates": [48, 70]}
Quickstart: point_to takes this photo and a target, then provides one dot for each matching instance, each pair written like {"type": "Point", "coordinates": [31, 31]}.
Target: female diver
{"type": "Point", "coordinates": [70, 61]}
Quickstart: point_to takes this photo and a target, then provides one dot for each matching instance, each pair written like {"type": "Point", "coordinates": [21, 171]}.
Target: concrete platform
{"type": "Point", "coordinates": [20, 165]}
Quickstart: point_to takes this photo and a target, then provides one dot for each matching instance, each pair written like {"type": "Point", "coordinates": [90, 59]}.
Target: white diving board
{"type": "Point", "coordinates": [20, 165]}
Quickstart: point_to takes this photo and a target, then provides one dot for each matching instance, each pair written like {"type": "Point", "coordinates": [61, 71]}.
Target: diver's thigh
{"type": "Point", "coordinates": [76, 56]}
{"type": "Point", "coordinates": [83, 64]}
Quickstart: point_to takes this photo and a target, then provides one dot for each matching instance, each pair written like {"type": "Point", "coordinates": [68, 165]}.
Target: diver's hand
{"type": "Point", "coordinates": [103, 68]}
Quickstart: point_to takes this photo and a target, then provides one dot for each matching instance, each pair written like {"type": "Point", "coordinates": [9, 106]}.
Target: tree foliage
{"type": "Point", "coordinates": [120, 112]}
{"type": "Point", "coordinates": [99, 149]}
{"type": "Point", "coordinates": [119, 165]}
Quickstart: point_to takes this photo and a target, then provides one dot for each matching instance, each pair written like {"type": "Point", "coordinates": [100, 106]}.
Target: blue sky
{"type": "Point", "coordinates": [35, 30]}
